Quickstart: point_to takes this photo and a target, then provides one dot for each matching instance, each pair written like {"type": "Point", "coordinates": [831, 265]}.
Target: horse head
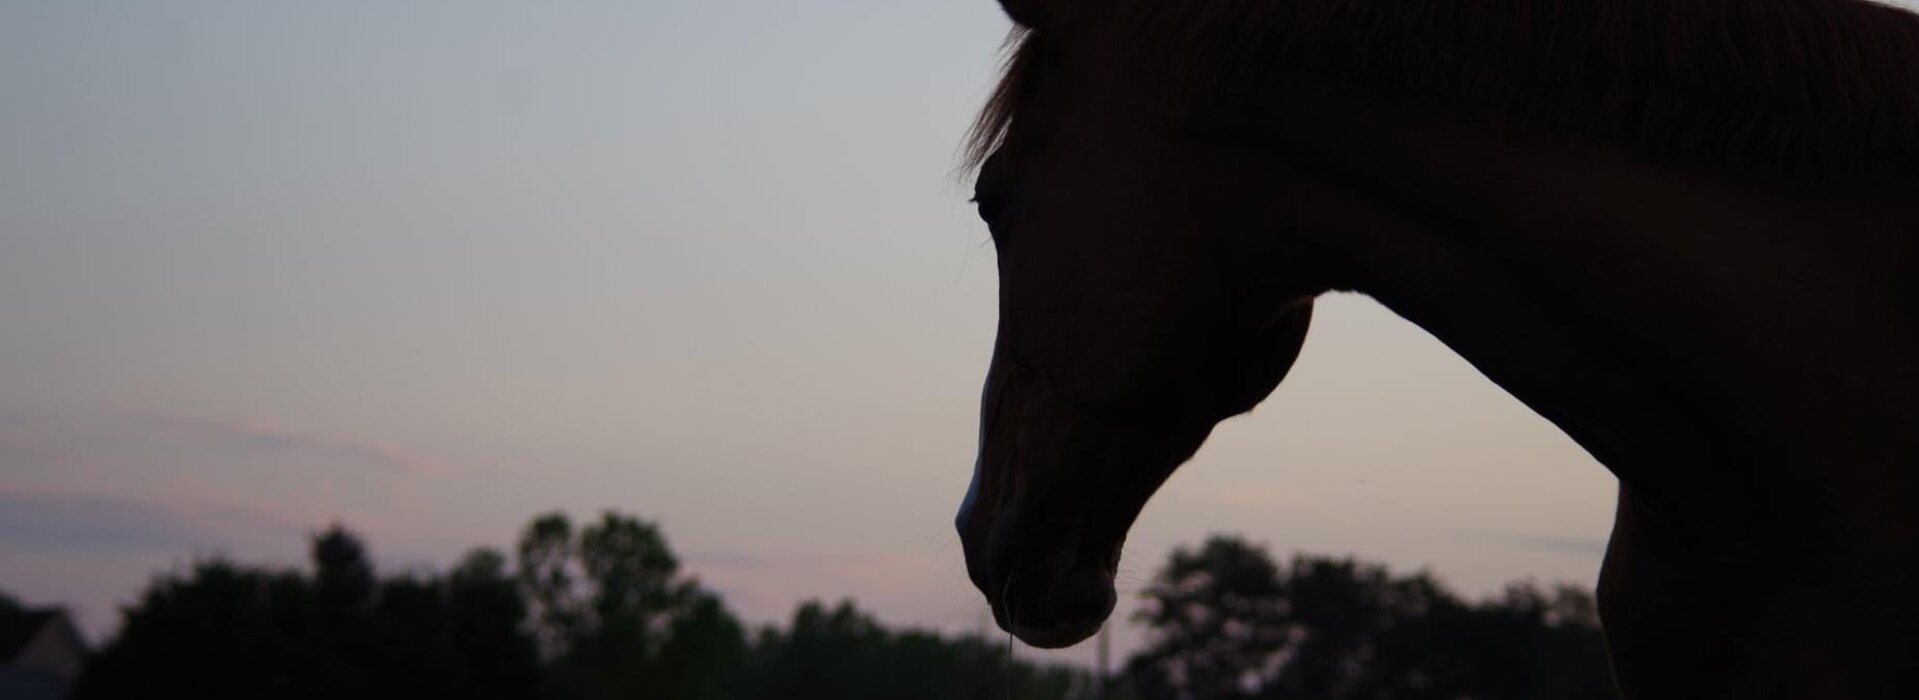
{"type": "Point", "coordinates": [1129, 324]}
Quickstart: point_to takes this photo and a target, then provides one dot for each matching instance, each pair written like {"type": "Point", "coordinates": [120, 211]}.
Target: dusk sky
{"type": "Point", "coordinates": [432, 268]}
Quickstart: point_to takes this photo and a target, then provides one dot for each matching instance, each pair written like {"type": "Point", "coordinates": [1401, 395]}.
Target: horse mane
{"type": "Point", "coordinates": [1806, 90]}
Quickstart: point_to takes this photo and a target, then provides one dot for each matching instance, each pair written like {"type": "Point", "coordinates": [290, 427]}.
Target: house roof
{"type": "Point", "coordinates": [17, 629]}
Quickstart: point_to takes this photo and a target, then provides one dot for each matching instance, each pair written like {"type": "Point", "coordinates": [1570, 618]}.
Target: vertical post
{"type": "Point", "coordinates": [1104, 644]}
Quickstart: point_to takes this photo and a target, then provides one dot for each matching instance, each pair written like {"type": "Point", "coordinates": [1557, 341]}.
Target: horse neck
{"type": "Point", "coordinates": [1689, 332]}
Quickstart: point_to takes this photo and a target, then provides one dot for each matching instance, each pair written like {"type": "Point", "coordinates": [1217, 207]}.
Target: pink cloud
{"type": "Point", "coordinates": [267, 436]}
{"type": "Point", "coordinates": [22, 434]}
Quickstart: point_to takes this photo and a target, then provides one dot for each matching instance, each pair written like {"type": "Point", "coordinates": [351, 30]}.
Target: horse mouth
{"type": "Point", "coordinates": [1055, 610]}
{"type": "Point", "coordinates": [1053, 586]}
{"type": "Point", "coordinates": [1057, 637]}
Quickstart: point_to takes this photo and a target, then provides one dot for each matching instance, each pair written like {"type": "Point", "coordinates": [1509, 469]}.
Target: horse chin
{"type": "Point", "coordinates": [1056, 613]}
{"type": "Point", "coordinates": [1058, 638]}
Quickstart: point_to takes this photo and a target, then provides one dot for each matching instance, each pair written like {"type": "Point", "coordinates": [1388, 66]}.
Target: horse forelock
{"type": "Point", "coordinates": [1016, 77]}
{"type": "Point", "coordinates": [1810, 90]}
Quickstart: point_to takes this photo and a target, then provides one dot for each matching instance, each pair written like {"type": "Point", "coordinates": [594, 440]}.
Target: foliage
{"type": "Point", "coordinates": [1229, 623]}
{"type": "Point", "coordinates": [604, 611]}
{"type": "Point", "coordinates": [223, 630]}
{"type": "Point", "coordinates": [616, 617]}
{"type": "Point", "coordinates": [595, 612]}
{"type": "Point", "coordinates": [840, 652]}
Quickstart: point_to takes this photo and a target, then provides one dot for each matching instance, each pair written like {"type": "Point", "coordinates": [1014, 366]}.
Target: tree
{"type": "Point", "coordinates": [615, 616]}
{"type": "Point", "coordinates": [343, 577]}
{"type": "Point", "coordinates": [704, 652]}
{"type": "Point", "coordinates": [489, 627]}
{"type": "Point", "coordinates": [825, 653]}
{"type": "Point", "coordinates": [223, 630]}
{"type": "Point", "coordinates": [1228, 623]}
{"type": "Point", "coordinates": [843, 653]}
{"type": "Point", "coordinates": [1219, 621]}
{"type": "Point", "coordinates": [547, 560]}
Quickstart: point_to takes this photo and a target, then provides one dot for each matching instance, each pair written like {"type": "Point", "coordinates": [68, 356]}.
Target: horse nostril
{"type": "Point", "coordinates": [975, 548]}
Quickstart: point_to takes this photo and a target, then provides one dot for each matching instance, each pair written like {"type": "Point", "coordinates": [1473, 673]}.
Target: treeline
{"type": "Point", "coordinates": [599, 612]}
{"type": "Point", "coordinates": [1230, 623]}
{"type": "Point", "coordinates": [604, 612]}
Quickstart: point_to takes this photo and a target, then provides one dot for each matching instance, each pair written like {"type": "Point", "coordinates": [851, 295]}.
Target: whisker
{"type": "Point", "coordinates": [1009, 665]}
{"type": "Point", "coordinates": [1012, 622]}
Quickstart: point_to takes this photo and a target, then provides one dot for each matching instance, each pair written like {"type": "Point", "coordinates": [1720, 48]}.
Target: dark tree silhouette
{"type": "Point", "coordinates": [1219, 624]}
{"type": "Point", "coordinates": [343, 579]}
{"type": "Point", "coordinates": [619, 620]}
{"type": "Point", "coordinates": [223, 630]}
{"type": "Point", "coordinates": [840, 652]}
{"type": "Point", "coordinates": [489, 624]}
{"type": "Point", "coordinates": [705, 652]}
{"type": "Point", "coordinates": [613, 615]}
{"type": "Point", "coordinates": [1229, 623]}
{"type": "Point", "coordinates": [616, 617]}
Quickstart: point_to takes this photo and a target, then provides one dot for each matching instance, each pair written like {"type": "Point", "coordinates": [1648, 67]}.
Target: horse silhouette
{"type": "Point", "coordinates": [1684, 231]}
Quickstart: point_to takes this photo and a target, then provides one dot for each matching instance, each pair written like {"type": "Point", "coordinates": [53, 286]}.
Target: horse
{"type": "Point", "coordinates": [1686, 232]}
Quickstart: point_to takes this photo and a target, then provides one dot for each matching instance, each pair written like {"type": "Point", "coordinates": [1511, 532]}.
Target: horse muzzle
{"type": "Point", "coordinates": [1055, 488]}
{"type": "Point", "coordinates": [1044, 587]}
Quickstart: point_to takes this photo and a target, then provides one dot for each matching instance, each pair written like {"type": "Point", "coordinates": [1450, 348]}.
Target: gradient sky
{"type": "Point", "coordinates": [431, 268]}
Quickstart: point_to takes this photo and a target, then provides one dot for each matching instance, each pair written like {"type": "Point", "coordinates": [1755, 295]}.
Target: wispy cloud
{"type": "Point", "coordinates": [1572, 545]}
{"type": "Point", "coordinates": [18, 436]}
{"type": "Point", "coordinates": [67, 521]}
{"type": "Point", "coordinates": [269, 437]}
{"type": "Point", "coordinates": [38, 441]}
{"type": "Point", "coordinates": [22, 436]}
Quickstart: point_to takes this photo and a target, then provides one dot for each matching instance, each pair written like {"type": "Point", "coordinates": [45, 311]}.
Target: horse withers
{"type": "Point", "coordinates": [1684, 231]}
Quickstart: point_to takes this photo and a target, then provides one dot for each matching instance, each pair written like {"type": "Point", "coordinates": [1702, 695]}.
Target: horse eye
{"type": "Point", "coordinates": [993, 206]}
{"type": "Point", "coordinates": [989, 207]}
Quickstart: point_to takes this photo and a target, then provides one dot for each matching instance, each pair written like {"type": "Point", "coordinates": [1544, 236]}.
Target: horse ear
{"type": "Point", "coordinates": [1051, 14]}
